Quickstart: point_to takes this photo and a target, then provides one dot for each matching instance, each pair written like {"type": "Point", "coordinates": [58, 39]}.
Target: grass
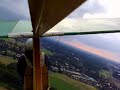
{"type": "Point", "coordinates": [59, 81]}
{"type": "Point", "coordinates": [1, 88]}
{"type": "Point", "coordinates": [63, 82]}
{"type": "Point", "coordinates": [104, 73]}
{"type": "Point", "coordinates": [6, 60]}
{"type": "Point", "coordinates": [49, 53]}
{"type": "Point", "coordinates": [11, 71]}
{"type": "Point", "coordinates": [4, 86]}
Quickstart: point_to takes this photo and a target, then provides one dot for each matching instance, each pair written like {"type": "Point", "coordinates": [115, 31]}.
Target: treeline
{"type": "Point", "coordinates": [9, 78]}
{"type": "Point", "coordinates": [11, 49]}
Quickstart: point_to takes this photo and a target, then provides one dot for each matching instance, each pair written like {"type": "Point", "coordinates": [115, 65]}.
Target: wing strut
{"type": "Point", "coordinates": [37, 68]}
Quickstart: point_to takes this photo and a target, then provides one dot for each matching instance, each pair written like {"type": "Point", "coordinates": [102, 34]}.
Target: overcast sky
{"type": "Point", "coordinates": [98, 9]}
{"type": "Point", "coordinates": [91, 8]}
{"type": "Point", "coordinates": [14, 10]}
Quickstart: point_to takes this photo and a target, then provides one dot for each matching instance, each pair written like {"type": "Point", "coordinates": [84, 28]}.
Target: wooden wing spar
{"type": "Point", "coordinates": [47, 13]}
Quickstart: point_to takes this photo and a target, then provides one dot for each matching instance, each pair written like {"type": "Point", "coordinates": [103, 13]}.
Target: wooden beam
{"type": "Point", "coordinates": [28, 79]}
{"type": "Point", "coordinates": [47, 13]}
{"type": "Point", "coordinates": [37, 68]}
{"type": "Point", "coordinates": [45, 77]}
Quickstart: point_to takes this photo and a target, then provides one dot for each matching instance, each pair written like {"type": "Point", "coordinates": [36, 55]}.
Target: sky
{"type": "Point", "coordinates": [98, 9]}
{"type": "Point", "coordinates": [89, 9]}
{"type": "Point", "coordinates": [106, 45]}
{"type": "Point", "coordinates": [14, 10]}
{"type": "Point", "coordinates": [93, 15]}
{"type": "Point", "coordinates": [101, 44]}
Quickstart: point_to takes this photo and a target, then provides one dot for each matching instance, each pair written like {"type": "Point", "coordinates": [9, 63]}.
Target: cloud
{"type": "Point", "coordinates": [93, 15]}
{"type": "Point", "coordinates": [98, 9]}
{"type": "Point", "coordinates": [90, 6]}
{"type": "Point", "coordinates": [86, 25]}
{"type": "Point", "coordinates": [109, 42]}
{"type": "Point", "coordinates": [14, 9]}
{"type": "Point", "coordinates": [90, 9]}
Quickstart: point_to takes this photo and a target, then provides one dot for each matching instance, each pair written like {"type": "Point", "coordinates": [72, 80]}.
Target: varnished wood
{"type": "Point", "coordinates": [37, 68]}
{"type": "Point", "coordinates": [45, 80]}
{"type": "Point", "coordinates": [28, 79]}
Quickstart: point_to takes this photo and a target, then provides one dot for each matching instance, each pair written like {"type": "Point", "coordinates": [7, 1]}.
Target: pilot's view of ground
{"type": "Point", "coordinates": [76, 63]}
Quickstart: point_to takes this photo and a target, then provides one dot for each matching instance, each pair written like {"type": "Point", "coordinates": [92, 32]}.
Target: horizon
{"type": "Point", "coordinates": [100, 44]}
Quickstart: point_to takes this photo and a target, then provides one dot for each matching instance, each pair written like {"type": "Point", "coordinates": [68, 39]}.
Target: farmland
{"type": "Point", "coordinates": [63, 82]}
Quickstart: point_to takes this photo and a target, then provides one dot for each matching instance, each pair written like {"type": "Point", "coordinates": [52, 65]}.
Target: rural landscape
{"type": "Point", "coordinates": [70, 68]}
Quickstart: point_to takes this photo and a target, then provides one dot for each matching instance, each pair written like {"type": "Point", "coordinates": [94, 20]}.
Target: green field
{"type": "Point", "coordinates": [6, 60]}
{"type": "Point", "coordinates": [104, 73]}
{"type": "Point", "coordinates": [63, 82]}
{"type": "Point", "coordinates": [1, 88]}
{"type": "Point", "coordinates": [58, 81]}
{"type": "Point", "coordinates": [49, 53]}
{"type": "Point", "coordinates": [8, 74]}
